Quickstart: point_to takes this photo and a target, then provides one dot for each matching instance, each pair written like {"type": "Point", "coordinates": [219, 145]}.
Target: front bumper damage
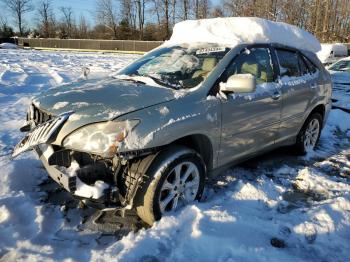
{"type": "Point", "coordinates": [99, 182]}
{"type": "Point", "coordinates": [67, 177]}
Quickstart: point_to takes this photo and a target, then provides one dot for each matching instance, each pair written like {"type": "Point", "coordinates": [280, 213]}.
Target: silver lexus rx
{"type": "Point", "coordinates": [148, 138]}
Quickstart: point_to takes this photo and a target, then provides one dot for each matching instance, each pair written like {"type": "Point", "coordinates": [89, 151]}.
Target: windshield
{"type": "Point", "coordinates": [343, 65]}
{"type": "Point", "coordinates": [177, 66]}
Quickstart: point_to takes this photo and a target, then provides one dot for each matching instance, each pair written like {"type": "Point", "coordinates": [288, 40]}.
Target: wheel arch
{"type": "Point", "coordinates": [199, 143]}
{"type": "Point", "coordinates": [321, 109]}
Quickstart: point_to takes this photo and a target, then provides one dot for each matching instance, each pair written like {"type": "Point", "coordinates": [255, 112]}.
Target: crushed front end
{"type": "Point", "coordinates": [103, 179]}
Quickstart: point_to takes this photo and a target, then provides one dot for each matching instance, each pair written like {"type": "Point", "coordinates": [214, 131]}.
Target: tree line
{"type": "Point", "coordinates": [329, 20]}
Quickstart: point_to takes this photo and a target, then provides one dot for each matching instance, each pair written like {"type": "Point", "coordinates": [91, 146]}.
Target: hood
{"type": "Point", "coordinates": [340, 77]}
{"type": "Point", "coordinates": [100, 100]}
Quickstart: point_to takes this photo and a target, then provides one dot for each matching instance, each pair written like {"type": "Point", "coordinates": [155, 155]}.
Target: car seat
{"type": "Point", "coordinates": [208, 65]}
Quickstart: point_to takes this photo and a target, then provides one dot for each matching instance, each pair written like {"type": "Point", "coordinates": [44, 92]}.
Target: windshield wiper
{"type": "Point", "coordinates": [133, 80]}
{"type": "Point", "coordinates": [163, 83]}
{"type": "Point", "coordinates": [156, 80]}
{"type": "Point", "coordinates": [129, 78]}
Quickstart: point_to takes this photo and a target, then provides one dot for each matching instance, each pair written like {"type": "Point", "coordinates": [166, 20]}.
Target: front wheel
{"type": "Point", "coordinates": [174, 179]}
{"type": "Point", "coordinates": [309, 134]}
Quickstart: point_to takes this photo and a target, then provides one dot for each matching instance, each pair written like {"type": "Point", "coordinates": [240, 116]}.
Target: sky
{"type": "Point", "coordinates": [80, 7]}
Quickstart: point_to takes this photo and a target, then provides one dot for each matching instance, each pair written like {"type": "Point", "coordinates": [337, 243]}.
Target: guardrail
{"type": "Point", "coordinates": [90, 44]}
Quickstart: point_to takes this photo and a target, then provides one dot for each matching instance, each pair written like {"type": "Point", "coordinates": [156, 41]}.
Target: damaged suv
{"type": "Point", "coordinates": [149, 137]}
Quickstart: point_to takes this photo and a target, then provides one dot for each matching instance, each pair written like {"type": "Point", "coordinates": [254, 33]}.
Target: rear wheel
{"type": "Point", "coordinates": [309, 134]}
{"type": "Point", "coordinates": [175, 178]}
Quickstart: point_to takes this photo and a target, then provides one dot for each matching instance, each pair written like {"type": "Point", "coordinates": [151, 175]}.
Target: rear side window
{"type": "Point", "coordinates": [311, 66]}
{"type": "Point", "coordinates": [289, 62]}
{"type": "Point", "coordinates": [304, 70]}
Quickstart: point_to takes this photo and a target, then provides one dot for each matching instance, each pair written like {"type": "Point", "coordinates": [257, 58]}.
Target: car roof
{"type": "Point", "coordinates": [344, 59]}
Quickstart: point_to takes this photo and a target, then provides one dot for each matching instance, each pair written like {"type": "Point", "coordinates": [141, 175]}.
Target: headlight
{"type": "Point", "coordinates": [100, 138]}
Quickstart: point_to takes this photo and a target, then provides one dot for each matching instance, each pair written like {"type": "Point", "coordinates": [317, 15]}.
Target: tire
{"type": "Point", "coordinates": [302, 146]}
{"type": "Point", "coordinates": [152, 199]}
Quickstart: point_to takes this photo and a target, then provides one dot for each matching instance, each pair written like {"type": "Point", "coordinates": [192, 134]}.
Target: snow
{"type": "Point", "coordinates": [164, 110]}
{"type": "Point", "coordinates": [60, 105]}
{"type": "Point", "coordinates": [267, 87]}
{"type": "Point", "coordinates": [212, 118]}
{"type": "Point", "coordinates": [134, 141]}
{"type": "Point", "coordinates": [83, 190]}
{"type": "Point", "coordinates": [232, 31]}
{"type": "Point", "coordinates": [325, 54]}
{"type": "Point", "coordinates": [95, 191]}
{"type": "Point", "coordinates": [293, 81]}
{"type": "Point", "coordinates": [143, 79]}
{"type": "Point", "coordinates": [337, 119]}
{"type": "Point", "coordinates": [303, 202]}
{"type": "Point", "coordinates": [4, 214]}
{"type": "Point", "coordinates": [8, 46]}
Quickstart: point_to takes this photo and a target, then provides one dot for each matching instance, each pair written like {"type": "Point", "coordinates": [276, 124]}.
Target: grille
{"type": "Point", "coordinates": [41, 134]}
{"type": "Point", "coordinates": [37, 116]}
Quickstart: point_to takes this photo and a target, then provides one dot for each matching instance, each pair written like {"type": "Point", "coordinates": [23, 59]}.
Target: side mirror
{"type": "Point", "coordinates": [239, 83]}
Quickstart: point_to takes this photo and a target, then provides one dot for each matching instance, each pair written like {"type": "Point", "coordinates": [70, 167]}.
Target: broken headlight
{"type": "Point", "coordinates": [100, 138]}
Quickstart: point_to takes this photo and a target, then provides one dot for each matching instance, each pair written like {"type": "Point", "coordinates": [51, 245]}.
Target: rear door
{"type": "Point", "coordinates": [297, 88]}
{"type": "Point", "coordinates": [250, 121]}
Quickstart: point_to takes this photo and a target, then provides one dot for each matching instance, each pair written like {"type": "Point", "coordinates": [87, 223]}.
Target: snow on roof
{"type": "Point", "coordinates": [232, 31]}
{"type": "Point", "coordinates": [345, 59]}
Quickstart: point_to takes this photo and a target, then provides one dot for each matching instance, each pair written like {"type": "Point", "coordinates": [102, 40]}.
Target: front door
{"type": "Point", "coordinates": [250, 121]}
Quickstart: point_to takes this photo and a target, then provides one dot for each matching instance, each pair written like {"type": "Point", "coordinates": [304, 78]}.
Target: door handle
{"type": "Point", "coordinates": [276, 95]}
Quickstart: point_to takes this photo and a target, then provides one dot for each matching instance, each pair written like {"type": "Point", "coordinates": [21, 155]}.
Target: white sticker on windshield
{"type": "Point", "coordinates": [210, 50]}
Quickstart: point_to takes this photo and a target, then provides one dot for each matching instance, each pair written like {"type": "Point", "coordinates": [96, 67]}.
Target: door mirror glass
{"type": "Point", "coordinates": [239, 83]}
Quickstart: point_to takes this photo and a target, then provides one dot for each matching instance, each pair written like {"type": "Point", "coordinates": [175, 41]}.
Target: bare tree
{"type": "Point", "coordinates": [68, 23]}
{"type": "Point", "coordinates": [203, 9]}
{"type": "Point", "coordinates": [329, 20]}
{"type": "Point", "coordinates": [166, 4]}
{"type": "Point", "coordinates": [140, 6]}
{"type": "Point", "coordinates": [157, 10]}
{"type": "Point", "coordinates": [83, 28]}
{"type": "Point", "coordinates": [128, 11]}
{"type": "Point", "coordinates": [46, 18]}
{"type": "Point", "coordinates": [2, 20]}
{"type": "Point", "coordinates": [217, 12]}
{"type": "Point", "coordinates": [173, 11]}
{"type": "Point", "coordinates": [185, 9]}
{"type": "Point", "coordinates": [18, 9]}
{"type": "Point", "coordinates": [162, 8]}
{"type": "Point", "coordinates": [5, 30]}
{"type": "Point", "coordinates": [106, 14]}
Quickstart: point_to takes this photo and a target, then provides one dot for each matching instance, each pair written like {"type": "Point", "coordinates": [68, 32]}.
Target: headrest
{"type": "Point", "coordinates": [248, 68]}
{"type": "Point", "coordinates": [209, 63]}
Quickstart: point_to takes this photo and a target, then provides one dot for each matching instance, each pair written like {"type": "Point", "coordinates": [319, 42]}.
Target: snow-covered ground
{"type": "Point", "coordinates": [274, 208]}
{"type": "Point", "coordinates": [8, 46]}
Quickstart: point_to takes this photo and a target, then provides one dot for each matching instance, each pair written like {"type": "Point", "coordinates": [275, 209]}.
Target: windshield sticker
{"type": "Point", "coordinates": [210, 50]}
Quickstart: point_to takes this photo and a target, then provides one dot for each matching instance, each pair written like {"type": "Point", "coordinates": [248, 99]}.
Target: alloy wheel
{"type": "Point", "coordinates": [180, 187]}
{"type": "Point", "coordinates": [311, 135]}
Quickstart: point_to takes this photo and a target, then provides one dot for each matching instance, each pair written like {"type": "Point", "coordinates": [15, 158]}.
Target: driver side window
{"type": "Point", "coordinates": [255, 61]}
